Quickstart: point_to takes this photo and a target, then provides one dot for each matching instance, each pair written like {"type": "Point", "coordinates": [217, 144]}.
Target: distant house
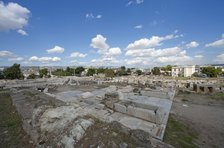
{"type": "Point", "coordinates": [184, 71]}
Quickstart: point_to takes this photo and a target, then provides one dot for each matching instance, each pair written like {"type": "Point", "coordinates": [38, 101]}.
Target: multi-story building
{"type": "Point", "coordinates": [184, 71]}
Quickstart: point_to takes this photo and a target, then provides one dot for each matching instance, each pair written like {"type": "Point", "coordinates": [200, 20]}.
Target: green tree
{"type": "Point", "coordinates": [59, 72]}
{"type": "Point", "coordinates": [13, 72]}
{"type": "Point", "coordinates": [100, 70]}
{"type": "Point", "coordinates": [211, 71]}
{"type": "Point", "coordinates": [31, 76]}
{"type": "Point", "coordinates": [222, 74]}
{"type": "Point", "coordinates": [123, 68]}
{"type": "Point", "coordinates": [91, 72]}
{"type": "Point", "coordinates": [156, 71]}
{"type": "Point", "coordinates": [128, 71]}
{"type": "Point", "coordinates": [139, 72]}
{"type": "Point", "coordinates": [43, 72]}
{"type": "Point", "coordinates": [109, 73]}
{"type": "Point", "coordinates": [195, 74]}
{"type": "Point", "coordinates": [122, 71]}
{"type": "Point", "coordinates": [1, 75]}
{"type": "Point", "coordinates": [69, 71]}
{"type": "Point", "coordinates": [168, 68]}
{"type": "Point", "coordinates": [79, 70]}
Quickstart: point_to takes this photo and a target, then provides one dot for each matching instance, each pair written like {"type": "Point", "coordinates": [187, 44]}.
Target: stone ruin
{"type": "Point", "coordinates": [63, 118]}
{"type": "Point", "coordinates": [138, 107]}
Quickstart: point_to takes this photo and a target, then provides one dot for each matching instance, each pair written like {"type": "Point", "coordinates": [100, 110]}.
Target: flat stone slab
{"type": "Point", "coordinates": [69, 96]}
{"type": "Point", "coordinates": [157, 131]}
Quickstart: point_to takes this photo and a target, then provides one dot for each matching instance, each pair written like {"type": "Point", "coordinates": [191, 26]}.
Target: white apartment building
{"type": "Point", "coordinates": [184, 71]}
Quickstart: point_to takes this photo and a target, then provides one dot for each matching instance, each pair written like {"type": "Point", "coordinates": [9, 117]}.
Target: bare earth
{"type": "Point", "coordinates": [204, 115]}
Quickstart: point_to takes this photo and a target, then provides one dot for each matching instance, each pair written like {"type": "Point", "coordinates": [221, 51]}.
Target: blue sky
{"type": "Point", "coordinates": [134, 33]}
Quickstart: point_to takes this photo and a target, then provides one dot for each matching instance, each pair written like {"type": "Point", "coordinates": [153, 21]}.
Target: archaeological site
{"type": "Point", "coordinates": [84, 112]}
{"type": "Point", "coordinates": [111, 73]}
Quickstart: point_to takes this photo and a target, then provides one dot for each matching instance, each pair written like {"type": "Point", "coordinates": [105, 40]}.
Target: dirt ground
{"type": "Point", "coordinates": [113, 135]}
{"type": "Point", "coordinates": [204, 114]}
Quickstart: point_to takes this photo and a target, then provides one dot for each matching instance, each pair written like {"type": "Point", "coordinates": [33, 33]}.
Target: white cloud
{"type": "Point", "coordinates": [5, 53]}
{"type": "Point", "coordinates": [192, 44]}
{"type": "Point", "coordinates": [139, 1]}
{"type": "Point", "coordinates": [22, 32]}
{"type": "Point", "coordinates": [174, 59]}
{"type": "Point", "coordinates": [216, 44]}
{"type": "Point", "coordinates": [153, 56]}
{"type": "Point", "coordinates": [151, 42]}
{"type": "Point", "coordinates": [78, 55]}
{"type": "Point", "coordinates": [99, 42]}
{"type": "Point", "coordinates": [220, 58]}
{"type": "Point", "coordinates": [136, 61]}
{"type": "Point", "coordinates": [105, 61]}
{"type": "Point", "coordinates": [132, 2]}
{"type": "Point", "coordinates": [13, 16]}
{"type": "Point", "coordinates": [16, 59]}
{"type": "Point", "coordinates": [91, 16]}
{"type": "Point", "coordinates": [152, 52]}
{"type": "Point", "coordinates": [73, 61]}
{"type": "Point", "coordinates": [108, 55]}
{"type": "Point", "coordinates": [44, 59]}
{"type": "Point", "coordinates": [114, 51]}
{"type": "Point", "coordinates": [56, 49]}
{"type": "Point", "coordinates": [26, 62]}
{"type": "Point", "coordinates": [142, 43]}
{"type": "Point", "coordinates": [199, 56]}
{"type": "Point", "coordinates": [129, 3]}
{"type": "Point", "coordinates": [138, 27]}
{"type": "Point", "coordinates": [99, 16]}
{"type": "Point", "coordinates": [93, 60]}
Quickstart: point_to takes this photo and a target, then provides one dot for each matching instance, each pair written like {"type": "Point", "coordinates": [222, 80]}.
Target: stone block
{"type": "Point", "coordinates": [86, 95]}
{"type": "Point", "coordinates": [127, 89]}
{"type": "Point", "coordinates": [157, 94]}
{"type": "Point", "coordinates": [121, 95]}
{"type": "Point", "coordinates": [99, 106]}
{"type": "Point", "coordinates": [120, 108]}
{"type": "Point", "coordinates": [46, 90]}
{"type": "Point", "coordinates": [112, 96]}
{"type": "Point", "coordinates": [109, 104]}
{"type": "Point", "coordinates": [160, 116]}
{"type": "Point", "coordinates": [110, 99]}
{"type": "Point", "coordinates": [145, 114]}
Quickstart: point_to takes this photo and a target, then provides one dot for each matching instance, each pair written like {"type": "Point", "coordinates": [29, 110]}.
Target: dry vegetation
{"type": "Point", "coordinates": [11, 131]}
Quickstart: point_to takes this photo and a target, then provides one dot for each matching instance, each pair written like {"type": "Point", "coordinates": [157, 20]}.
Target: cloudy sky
{"type": "Point", "coordinates": [134, 33]}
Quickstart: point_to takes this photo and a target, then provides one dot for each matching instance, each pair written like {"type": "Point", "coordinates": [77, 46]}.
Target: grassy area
{"type": "Point", "coordinates": [179, 135]}
{"type": "Point", "coordinates": [28, 93]}
{"type": "Point", "coordinates": [11, 131]}
{"type": "Point", "coordinates": [218, 96]}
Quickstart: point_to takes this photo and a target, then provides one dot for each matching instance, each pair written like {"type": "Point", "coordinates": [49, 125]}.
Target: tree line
{"type": "Point", "coordinates": [14, 72]}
